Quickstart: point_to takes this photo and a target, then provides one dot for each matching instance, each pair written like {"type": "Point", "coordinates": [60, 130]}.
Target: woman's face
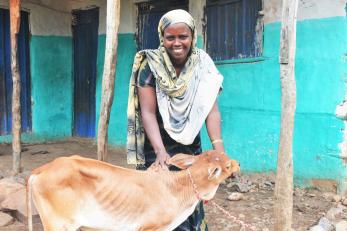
{"type": "Point", "coordinates": [177, 42]}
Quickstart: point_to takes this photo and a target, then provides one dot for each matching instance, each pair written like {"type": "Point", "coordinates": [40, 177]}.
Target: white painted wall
{"type": "Point", "coordinates": [87, 4]}
{"type": "Point", "coordinates": [46, 20]}
{"type": "Point", "coordinates": [307, 9]}
{"type": "Point", "coordinates": [51, 17]}
{"type": "Point", "coordinates": [127, 13]}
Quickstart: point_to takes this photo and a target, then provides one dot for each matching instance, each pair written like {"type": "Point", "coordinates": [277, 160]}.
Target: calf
{"type": "Point", "coordinates": [76, 192]}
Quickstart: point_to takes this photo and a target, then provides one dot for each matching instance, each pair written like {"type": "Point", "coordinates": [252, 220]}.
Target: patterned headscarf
{"type": "Point", "coordinates": [184, 101]}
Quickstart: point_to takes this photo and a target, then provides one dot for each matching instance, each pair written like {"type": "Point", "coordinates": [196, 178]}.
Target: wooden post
{"type": "Point", "coordinates": [284, 180]}
{"type": "Point", "coordinates": [16, 109]}
{"type": "Point", "coordinates": [112, 22]}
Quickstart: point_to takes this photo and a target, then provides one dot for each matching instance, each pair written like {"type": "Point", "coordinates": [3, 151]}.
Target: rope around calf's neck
{"type": "Point", "coordinates": [234, 219]}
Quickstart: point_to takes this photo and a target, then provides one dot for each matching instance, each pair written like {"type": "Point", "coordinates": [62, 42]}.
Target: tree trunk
{"type": "Point", "coordinates": [112, 22]}
{"type": "Point", "coordinates": [16, 110]}
{"type": "Point", "coordinates": [284, 180]}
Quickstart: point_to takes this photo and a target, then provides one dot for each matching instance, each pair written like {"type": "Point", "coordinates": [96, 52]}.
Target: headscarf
{"type": "Point", "coordinates": [184, 101]}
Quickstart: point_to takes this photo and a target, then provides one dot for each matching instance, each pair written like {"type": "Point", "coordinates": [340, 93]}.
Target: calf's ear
{"type": "Point", "coordinates": [181, 161]}
{"type": "Point", "coordinates": [214, 172]}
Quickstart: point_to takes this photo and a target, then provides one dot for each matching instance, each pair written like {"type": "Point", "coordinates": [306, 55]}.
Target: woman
{"type": "Point", "coordinates": [173, 91]}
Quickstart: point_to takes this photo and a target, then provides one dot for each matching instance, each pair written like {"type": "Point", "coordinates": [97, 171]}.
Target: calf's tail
{"type": "Point", "coordinates": [29, 202]}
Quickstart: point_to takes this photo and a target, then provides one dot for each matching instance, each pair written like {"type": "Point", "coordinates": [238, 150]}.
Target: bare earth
{"type": "Point", "coordinates": [256, 207]}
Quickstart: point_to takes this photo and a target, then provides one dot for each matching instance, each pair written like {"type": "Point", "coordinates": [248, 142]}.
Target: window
{"type": "Point", "coordinates": [234, 29]}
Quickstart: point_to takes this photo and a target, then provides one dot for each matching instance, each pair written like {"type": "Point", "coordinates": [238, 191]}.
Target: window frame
{"type": "Point", "coordinates": [257, 40]}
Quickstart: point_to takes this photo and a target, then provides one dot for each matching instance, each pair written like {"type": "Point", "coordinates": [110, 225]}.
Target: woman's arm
{"type": "Point", "coordinates": [148, 104]}
{"type": "Point", "coordinates": [213, 125]}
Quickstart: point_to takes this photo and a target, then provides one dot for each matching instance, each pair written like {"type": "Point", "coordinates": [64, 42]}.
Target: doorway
{"type": "Point", "coordinates": [85, 43]}
{"type": "Point", "coordinates": [6, 86]}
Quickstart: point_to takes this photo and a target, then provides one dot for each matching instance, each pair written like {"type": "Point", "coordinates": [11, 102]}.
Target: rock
{"type": "Point", "coordinates": [5, 219]}
{"type": "Point", "coordinates": [332, 197]}
{"type": "Point", "coordinates": [238, 187]}
{"type": "Point", "coordinates": [17, 202]}
{"type": "Point", "coordinates": [316, 228]}
{"type": "Point", "coordinates": [341, 226]}
{"type": "Point", "coordinates": [7, 187]}
{"type": "Point", "coordinates": [235, 196]}
{"type": "Point", "coordinates": [326, 224]}
{"type": "Point", "coordinates": [344, 201]}
{"type": "Point", "coordinates": [336, 198]}
{"type": "Point", "coordinates": [334, 213]}
{"type": "Point", "coordinates": [299, 192]}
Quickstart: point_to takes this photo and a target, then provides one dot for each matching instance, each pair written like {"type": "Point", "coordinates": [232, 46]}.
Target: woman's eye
{"type": "Point", "coordinates": [169, 38]}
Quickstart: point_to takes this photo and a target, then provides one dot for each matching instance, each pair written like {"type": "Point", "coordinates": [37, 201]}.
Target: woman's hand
{"type": "Point", "coordinates": [160, 161]}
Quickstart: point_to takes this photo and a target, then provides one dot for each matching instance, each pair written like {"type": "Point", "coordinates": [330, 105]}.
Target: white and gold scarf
{"type": "Point", "coordinates": [184, 101]}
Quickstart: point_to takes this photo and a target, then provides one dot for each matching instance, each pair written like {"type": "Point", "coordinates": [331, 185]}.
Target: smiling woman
{"type": "Point", "coordinates": [173, 92]}
{"type": "Point", "coordinates": [177, 42]}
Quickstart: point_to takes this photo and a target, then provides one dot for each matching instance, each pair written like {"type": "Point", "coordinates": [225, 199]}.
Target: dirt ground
{"type": "Point", "coordinates": [255, 207]}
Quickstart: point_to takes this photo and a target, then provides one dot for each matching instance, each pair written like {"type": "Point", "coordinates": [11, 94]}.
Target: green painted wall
{"type": "Point", "coordinates": [118, 119]}
{"type": "Point", "coordinates": [51, 88]}
{"type": "Point", "coordinates": [250, 102]}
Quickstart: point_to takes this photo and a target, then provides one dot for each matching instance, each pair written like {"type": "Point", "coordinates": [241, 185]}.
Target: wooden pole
{"type": "Point", "coordinates": [112, 22]}
{"type": "Point", "coordinates": [16, 108]}
{"type": "Point", "coordinates": [284, 180]}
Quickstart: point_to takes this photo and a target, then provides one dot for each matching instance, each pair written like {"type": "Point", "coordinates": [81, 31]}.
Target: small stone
{"type": "Point", "coordinates": [299, 192]}
{"type": "Point", "coordinates": [265, 229]}
{"type": "Point", "coordinates": [344, 201]}
{"type": "Point", "coordinates": [238, 187]}
{"type": "Point", "coordinates": [331, 197]}
{"type": "Point", "coordinates": [5, 219]}
{"type": "Point", "coordinates": [326, 224]}
{"type": "Point", "coordinates": [235, 196]}
{"type": "Point", "coordinates": [317, 228]}
{"type": "Point", "coordinates": [268, 183]}
{"type": "Point", "coordinates": [311, 194]}
{"type": "Point", "coordinates": [336, 198]}
{"type": "Point", "coordinates": [341, 226]}
{"type": "Point", "coordinates": [334, 213]}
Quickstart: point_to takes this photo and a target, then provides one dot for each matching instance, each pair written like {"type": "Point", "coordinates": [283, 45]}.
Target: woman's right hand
{"type": "Point", "coordinates": [160, 161]}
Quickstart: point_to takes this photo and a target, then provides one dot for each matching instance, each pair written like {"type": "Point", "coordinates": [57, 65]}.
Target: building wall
{"type": "Point", "coordinates": [251, 106]}
{"type": "Point", "coordinates": [50, 66]}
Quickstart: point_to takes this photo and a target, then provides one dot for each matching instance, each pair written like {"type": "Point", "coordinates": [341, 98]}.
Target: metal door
{"type": "Point", "coordinates": [85, 41]}
{"type": "Point", "coordinates": [6, 76]}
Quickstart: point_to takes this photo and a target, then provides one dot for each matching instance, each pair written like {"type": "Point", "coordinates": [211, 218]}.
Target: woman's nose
{"type": "Point", "coordinates": [176, 42]}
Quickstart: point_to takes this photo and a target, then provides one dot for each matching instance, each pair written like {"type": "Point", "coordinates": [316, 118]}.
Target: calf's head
{"type": "Point", "coordinates": [208, 170]}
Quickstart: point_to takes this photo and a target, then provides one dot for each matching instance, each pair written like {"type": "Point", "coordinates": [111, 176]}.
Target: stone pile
{"type": "Point", "coordinates": [335, 219]}
{"type": "Point", "coordinates": [13, 199]}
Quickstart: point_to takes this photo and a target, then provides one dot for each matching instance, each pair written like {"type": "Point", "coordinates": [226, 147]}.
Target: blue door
{"type": "Point", "coordinates": [6, 76]}
{"type": "Point", "coordinates": [85, 42]}
{"type": "Point", "coordinates": [148, 19]}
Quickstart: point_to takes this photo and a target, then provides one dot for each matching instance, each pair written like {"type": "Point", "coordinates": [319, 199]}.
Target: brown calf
{"type": "Point", "coordinates": [76, 192]}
